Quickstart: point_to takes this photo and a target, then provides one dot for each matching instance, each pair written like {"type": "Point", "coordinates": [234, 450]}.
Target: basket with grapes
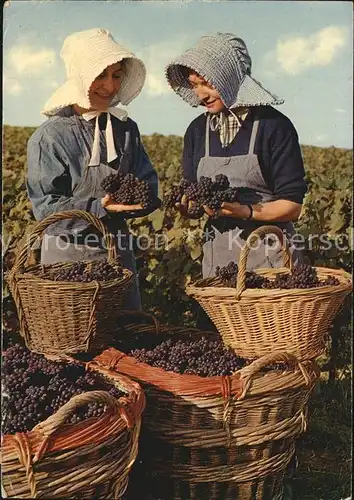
{"type": "Point", "coordinates": [67, 432]}
{"type": "Point", "coordinates": [68, 307]}
{"type": "Point", "coordinates": [281, 309]}
{"type": "Point", "coordinates": [215, 426]}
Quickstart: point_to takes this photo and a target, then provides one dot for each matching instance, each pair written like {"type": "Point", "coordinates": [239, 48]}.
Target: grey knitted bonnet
{"type": "Point", "coordinates": [223, 60]}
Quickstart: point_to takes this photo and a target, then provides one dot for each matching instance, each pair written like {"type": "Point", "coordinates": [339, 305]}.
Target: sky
{"type": "Point", "coordinates": [300, 50]}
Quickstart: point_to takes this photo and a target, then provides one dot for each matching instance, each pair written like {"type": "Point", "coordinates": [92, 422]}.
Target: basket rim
{"type": "Point", "coordinates": [127, 384]}
{"type": "Point", "coordinates": [185, 384]}
{"type": "Point", "coordinates": [133, 399]}
{"type": "Point", "coordinates": [200, 287]}
{"type": "Point", "coordinates": [31, 277]}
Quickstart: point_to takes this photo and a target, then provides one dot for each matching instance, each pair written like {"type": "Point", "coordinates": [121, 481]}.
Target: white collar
{"type": "Point", "coordinates": [111, 150]}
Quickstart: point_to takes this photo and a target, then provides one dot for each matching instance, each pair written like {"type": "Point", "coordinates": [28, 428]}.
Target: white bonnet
{"type": "Point", "coordinates": [86, 54]}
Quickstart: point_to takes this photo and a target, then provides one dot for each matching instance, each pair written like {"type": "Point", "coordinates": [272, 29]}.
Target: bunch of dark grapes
{"type": "Point", "coordinates": [125, 194]}
{"type": "Point", "coordinates": [216, 201]}
{"type": "Point", "coordinates": [228, 276]}
{"type": "Point", "coordinates": [173, 197]}
{"type": "Point", "coordinates": [34, 388]}
{"type": "Point", "coordinates": [203, 357]}
{"type": "Point", "coordinates": [227, 273]}
{"type": "Point", "coordinates": [97, 270]}
{"type": "Point", "coordinates": [129, 190]}
{"type": "Point", "coordinates": [112, 182]}
{"type": "Point", "coordinates": [221, 182]}
{"type": "Point", "coordinates": [231, 195]}
{"type": "Point", "coordinates": [204, 192]}
{"type": "Point", "coordinates": [254, 280]}
{"type": "Point", "coordinates": [330, 281]}
{"type": "Point", "coordinates": [302, 276]}
{"type": "Point", "coordinates": [193, 192]}
{"type": "Point", "coordinates": [176, 194]}
{"type": "Point", "coordinates": [281, 281]}
{"type": "Point", "coordinates": [196, 211]}
{"type": "Point", "coordinates": [102, 270]}
{"type": "Point", "coordinates": [190, 356]}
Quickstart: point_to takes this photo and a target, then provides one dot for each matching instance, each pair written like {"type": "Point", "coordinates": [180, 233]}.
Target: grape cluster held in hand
{"type": "Point", "coordinates": [205, 192]}
{"type": "Point", "coordinates": [35, 388]}
{"type": "Point", "coordinates": [301, 276]}
{"type": "Point", "coordinates": [128, 190]}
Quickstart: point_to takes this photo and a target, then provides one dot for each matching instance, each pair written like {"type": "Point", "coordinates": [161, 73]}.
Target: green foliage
{"type": "Point", "coordinates": [324, 451]}
{"type": "Point", "coordinates": [327, 213]}
{"type": "Point", "coordinates": [174, 257]}
{"type": "Point", "coordinates": [17, 215]}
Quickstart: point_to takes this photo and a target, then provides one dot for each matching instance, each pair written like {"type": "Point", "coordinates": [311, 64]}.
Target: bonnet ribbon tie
{"type": "Point", "coordinates": [96, 149]}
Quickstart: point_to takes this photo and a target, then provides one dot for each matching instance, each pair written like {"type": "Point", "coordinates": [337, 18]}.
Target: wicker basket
{"type": "Point", "coordinates": [255, 322]}
{"type": "Point", "coordinates": [91, 459]}
{"type": "Point", "coordinates": [63, 317]}
{"type": "Point", "coordinates": [231, 436]}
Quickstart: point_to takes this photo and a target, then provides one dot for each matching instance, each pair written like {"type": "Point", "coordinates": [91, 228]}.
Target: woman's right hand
{"type": "Point", "coordinates": [113, 206]}
{"type": "Point", "coordinates": [185, 207]}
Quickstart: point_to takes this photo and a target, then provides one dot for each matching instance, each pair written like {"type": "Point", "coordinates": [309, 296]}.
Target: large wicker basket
{"type": "Point", "coordinates": [218, 437]}
{"type": "Point", "coordinates": [63, 317]}
{"type": "Point", "coordinates": [255, 322]}
{"type": "Point", "coordinates": [91, 459]}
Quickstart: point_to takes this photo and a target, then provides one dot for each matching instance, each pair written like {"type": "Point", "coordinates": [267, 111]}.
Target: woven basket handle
{"type": "Point", "coordinates": [39, 229]}
{"type": "Point", "coordinates": [140, 314]}
{"type": "Point", "coordinates": [54, 422]}
{"type": "Point", "coordinates": [248, 372]}
{"type": "Point", "coordinates": [251, 240]}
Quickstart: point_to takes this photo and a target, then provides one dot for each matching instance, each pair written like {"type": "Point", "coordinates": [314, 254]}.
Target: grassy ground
{"type": "Point", "coordinates": [324, 451]}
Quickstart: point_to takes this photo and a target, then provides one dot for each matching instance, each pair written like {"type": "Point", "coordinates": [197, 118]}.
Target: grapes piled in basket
{"type": "Point", "coordinates": [129, 190]}
{"type": "Point", "coordinates": [301, 276]}
{"type": "Point", "coordinates": [85, 272]}
{"type": "Point", "coordinates": [189, 356]}
{"type": "Point", "coordinates": [34, 388]}
{"type": "Point", "coordinates": [204, 192]}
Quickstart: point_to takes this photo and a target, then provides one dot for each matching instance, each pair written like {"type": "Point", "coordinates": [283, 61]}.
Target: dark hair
{"type": "Point", "coordinates": [187, 71]}
{"type": "Point", "coordinates": [122, 64]}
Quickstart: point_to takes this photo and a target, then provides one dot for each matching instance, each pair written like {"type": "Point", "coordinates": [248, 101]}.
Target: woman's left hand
{"type": "Point", "coordinates": [235, 210]}
{"type": "Point", "coordinates": [113, 206]}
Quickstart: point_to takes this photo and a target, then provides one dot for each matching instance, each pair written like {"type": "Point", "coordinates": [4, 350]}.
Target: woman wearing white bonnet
{"type": "Point", "coordinates": [86, 138]}
{"type": "Point", "coordinates": [243, 136]}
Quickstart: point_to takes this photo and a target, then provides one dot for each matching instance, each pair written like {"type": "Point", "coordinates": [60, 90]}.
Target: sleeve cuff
{"type": "Point", "coordinates": [94, 206]}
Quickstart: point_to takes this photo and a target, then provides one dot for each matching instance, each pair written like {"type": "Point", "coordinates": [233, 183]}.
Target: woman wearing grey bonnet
{"type": "Point", "coordinates": [243, 136]}
{"type": "Point", "coordinates": [86, 138]}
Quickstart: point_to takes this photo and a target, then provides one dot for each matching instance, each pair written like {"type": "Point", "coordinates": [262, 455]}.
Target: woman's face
{"type": "Point", "coordinates": [105, 87]}
{"type": "Point", "coordinates": [206, 93]}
